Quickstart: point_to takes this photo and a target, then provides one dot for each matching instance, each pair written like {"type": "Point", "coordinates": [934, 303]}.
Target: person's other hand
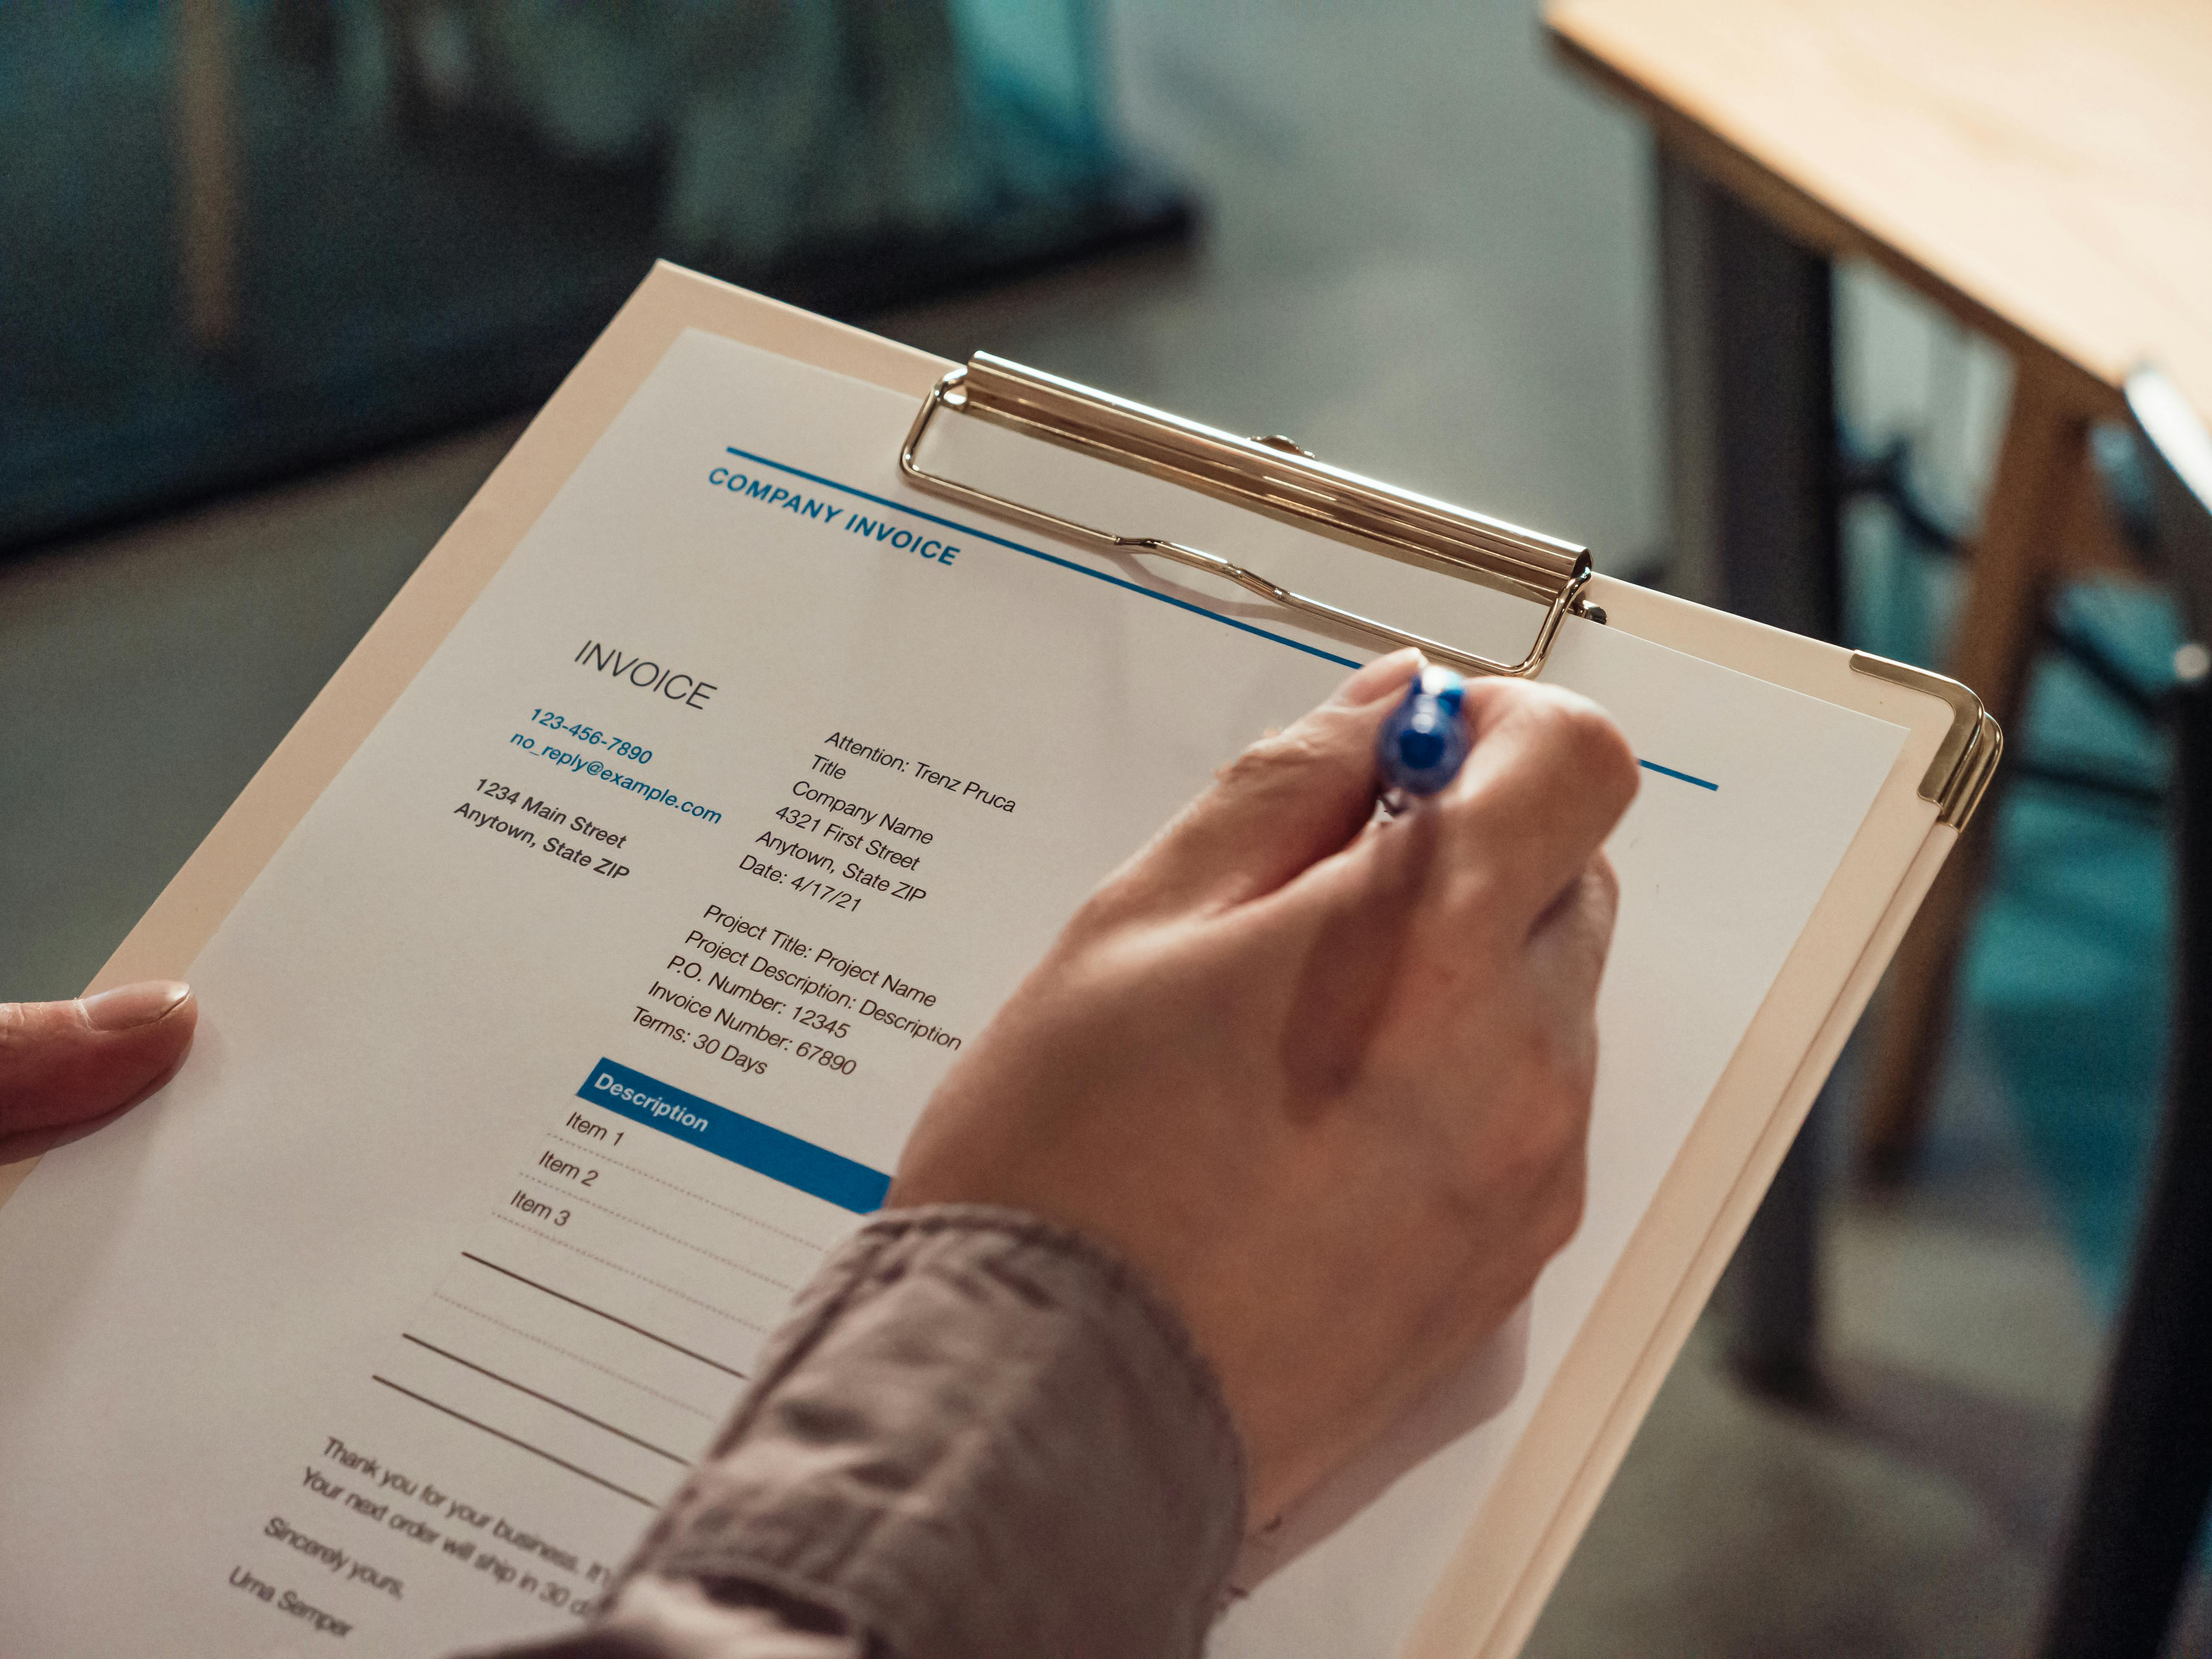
{"type": "Point", "coordinates": [1327, 1086]}
{"type": "Point", "coordinates": [68, 1067]}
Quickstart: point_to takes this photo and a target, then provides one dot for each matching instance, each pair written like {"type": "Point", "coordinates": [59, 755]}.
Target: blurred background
{"type": "Point", "coordinates": [281, 279]}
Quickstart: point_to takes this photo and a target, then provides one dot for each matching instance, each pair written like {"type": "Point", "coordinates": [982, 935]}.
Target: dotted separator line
{"type": "Point", "coordinates": [710, 1203]}
{"type": "Point", "coordinates": [567, 1197]}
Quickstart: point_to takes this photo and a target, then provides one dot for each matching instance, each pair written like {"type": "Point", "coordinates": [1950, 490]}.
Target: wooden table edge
{"type": "Point", "coordinates": [1805, 217]}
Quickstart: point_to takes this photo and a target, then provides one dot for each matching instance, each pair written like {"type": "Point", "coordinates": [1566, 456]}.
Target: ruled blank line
{"type": "Point", "coordinates": [612, 1319]}
{"type": "Point", "coordinates": [498, 1434]}
{"type": "Point", "coordinates": [683, 1296]}
{"type": "Point", "coordinates": [559, 1405]}
{"type": "Point", "coordinates": [569, 1353]}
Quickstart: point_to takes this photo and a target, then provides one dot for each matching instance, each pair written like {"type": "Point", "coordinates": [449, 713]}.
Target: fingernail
{"type": "Point", "coordinates": [1381, 677]}
{"type": "Point", "coordinates": [128, 1005]}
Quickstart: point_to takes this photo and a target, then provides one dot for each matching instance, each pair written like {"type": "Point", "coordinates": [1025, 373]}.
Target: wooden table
{"type": "Point", "coordinates": [2041, 170]}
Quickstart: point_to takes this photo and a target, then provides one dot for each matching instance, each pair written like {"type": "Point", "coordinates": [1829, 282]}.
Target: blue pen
{"type": "Point", "coordinates": [1424, 742]}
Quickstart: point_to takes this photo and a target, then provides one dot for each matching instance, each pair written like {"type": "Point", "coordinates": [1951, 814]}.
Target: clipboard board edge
{"type": "Point", "coordinates": [1960, 771]}
{"type": "Point", "coordinates": [1714, 1252]}
{"type": "Point", "coordinates": [1488, 1599]}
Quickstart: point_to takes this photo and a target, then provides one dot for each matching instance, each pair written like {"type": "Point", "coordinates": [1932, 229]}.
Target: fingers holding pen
{"type": "Point", "coordinates": [1291, 799]}
{"type": "Point", "coordinates": [1546, 779]}
{"type": "Point", "coordinates": [1561, 967]}
{"type": "Point", "coordinates": [1490, 857]}
{"type": "Point", "coordinates": [1567, 949]}
{"type": "Point", "coordinates": [1549, 776]}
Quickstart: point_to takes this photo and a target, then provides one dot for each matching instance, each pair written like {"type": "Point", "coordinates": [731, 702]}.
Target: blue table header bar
{"type": "Point", "coordinates": [729, 1135]}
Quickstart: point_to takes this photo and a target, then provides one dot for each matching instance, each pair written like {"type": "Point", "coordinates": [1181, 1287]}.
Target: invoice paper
{"type": "Point", "coordinates": [592, 1002]}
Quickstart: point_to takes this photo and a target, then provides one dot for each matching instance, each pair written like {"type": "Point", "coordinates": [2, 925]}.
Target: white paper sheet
{"type": "Point", "coordinates": [383, 1328]}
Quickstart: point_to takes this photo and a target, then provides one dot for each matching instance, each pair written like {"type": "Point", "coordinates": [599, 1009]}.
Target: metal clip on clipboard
{"type": "Point", "coordinates": [1271, 475]}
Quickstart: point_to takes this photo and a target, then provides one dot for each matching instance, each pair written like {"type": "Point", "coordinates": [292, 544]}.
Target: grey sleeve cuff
{"type": "Point", "coordinates": [677, 1618]}
{"type": "Point", "coordinates": [977, 1435]}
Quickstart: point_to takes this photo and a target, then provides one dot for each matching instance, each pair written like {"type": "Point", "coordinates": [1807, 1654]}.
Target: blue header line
{"type": "Point", "coordinates": [1654, 766]}
{"type": "Point", "coordinates": [731, 1135]}
{"type": "Point", "coordinates": [1098, 575]}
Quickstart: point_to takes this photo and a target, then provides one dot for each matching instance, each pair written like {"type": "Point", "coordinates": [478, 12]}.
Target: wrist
{"type": "Point", "coordinates": [966, 1395]}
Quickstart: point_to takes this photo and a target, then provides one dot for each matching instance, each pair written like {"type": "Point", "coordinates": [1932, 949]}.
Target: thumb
{"type": "Point", "coordinates": [1290, 799]}
{"type": "Point", "coordinates": [65, 1067]}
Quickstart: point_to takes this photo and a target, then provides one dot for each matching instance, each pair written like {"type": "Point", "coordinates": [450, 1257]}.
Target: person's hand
{"type": "Point", "coordinates": [1327, 1086]}
{"type": "Point", "coordinates": [68, 1067]}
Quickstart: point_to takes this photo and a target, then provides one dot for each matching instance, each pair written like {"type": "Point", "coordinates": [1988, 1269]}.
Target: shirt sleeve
{"type": "Point", "coordinates": [977, 1435]}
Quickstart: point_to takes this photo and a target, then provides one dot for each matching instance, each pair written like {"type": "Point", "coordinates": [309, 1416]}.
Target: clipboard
{"type": "Point", "coordinates": [1504, 1566]}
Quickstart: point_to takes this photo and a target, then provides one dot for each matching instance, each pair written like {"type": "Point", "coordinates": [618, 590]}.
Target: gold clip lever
{"type": "Point", "coordinates": [1269, 474]}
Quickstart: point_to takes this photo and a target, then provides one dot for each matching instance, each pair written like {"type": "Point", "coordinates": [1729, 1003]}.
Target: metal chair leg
{"type": "Point", "coordinates": [1751, 366]}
